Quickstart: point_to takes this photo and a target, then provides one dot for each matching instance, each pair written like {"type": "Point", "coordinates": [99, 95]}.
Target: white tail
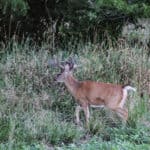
{"type": "Point", "coordinates": [129, 88]}
{"type": "Point", "coordinates": [94, 94]}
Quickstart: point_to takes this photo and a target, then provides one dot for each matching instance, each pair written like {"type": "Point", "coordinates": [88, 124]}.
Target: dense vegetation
{"type": "Point", "coordinates": [37, 113]}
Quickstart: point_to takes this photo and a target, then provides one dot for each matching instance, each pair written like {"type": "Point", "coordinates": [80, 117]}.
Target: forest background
{"type": "Point", "coordinates": [108, 39]}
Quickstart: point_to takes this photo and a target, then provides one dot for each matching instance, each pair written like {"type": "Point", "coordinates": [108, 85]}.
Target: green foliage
{"type": "Point", "coordinates": [37, 113]}
{"type": "Point", "coordinates": [14, 7]}
{"type": "Point", "coordinates": [116, 145]}
{"type": "Point", "coordinates": [70, 19]}
{"type": "Point", "coordinates": [4, 127]}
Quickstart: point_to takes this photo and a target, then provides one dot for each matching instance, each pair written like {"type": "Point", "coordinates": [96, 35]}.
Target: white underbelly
{"type": "Point", "coordinates": [97, 106]}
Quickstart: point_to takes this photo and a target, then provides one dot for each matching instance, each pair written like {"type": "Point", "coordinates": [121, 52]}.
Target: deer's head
{"type": "Point", "coordinates": [66, 67]}
{"type": "Point", "coordinates": [65, 72]}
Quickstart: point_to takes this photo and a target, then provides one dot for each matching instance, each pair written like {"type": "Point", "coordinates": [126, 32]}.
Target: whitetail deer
{"type": "Point", "coordinates": [94, 94]}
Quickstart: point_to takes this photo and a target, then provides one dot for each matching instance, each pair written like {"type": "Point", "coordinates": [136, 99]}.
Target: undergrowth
{"type": "Point", "coordinates": [37, 113]}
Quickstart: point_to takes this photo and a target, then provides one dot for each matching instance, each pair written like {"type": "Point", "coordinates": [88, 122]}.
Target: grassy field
{"type": "Point", "coordinates": [38, 114]}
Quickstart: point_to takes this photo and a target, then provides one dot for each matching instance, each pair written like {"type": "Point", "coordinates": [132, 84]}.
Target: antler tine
{"type": "Point", "coordinates": [74, 61]}
{"type": "Point", "coordinates": [71, 62]}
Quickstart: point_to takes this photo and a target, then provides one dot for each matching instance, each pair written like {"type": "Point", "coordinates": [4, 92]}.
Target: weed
{"type": "Point", "coordinates": [37, 113]}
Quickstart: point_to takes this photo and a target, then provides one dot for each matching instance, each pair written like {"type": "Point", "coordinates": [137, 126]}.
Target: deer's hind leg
{"type": "Point", "coordinates": [122, 113]}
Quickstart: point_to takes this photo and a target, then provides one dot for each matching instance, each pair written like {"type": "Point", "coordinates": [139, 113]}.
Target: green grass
{"type": "Point", "coordinates": [37, 114]}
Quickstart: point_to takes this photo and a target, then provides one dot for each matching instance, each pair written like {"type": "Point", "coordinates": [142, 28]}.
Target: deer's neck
{"type": "Point", "coordinates": [72, 84]}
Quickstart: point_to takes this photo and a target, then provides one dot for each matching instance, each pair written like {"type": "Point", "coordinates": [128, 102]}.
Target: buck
{"type": "Point", "coordinates": [93, 94]}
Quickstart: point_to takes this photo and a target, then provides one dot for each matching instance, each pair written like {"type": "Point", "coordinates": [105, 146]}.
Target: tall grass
{"type": "Point", "coordinates": [38, 113]}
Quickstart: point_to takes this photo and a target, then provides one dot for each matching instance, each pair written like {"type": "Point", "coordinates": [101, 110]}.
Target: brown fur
{"type": "Point", "coordinates": [89, 93]}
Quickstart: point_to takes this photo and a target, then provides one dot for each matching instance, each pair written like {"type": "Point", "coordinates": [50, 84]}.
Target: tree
{"type": "Point", "coordinates": [80, 19]}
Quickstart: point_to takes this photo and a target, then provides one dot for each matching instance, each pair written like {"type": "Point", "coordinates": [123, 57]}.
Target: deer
{"type": "Point", "coordinates": [92, 93]}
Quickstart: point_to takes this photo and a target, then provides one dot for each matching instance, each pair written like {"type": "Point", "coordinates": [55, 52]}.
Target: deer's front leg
{"type": "Point", "coordinates": [87, 114]}
{"type": "Point", "coordinates": [77, 113]}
